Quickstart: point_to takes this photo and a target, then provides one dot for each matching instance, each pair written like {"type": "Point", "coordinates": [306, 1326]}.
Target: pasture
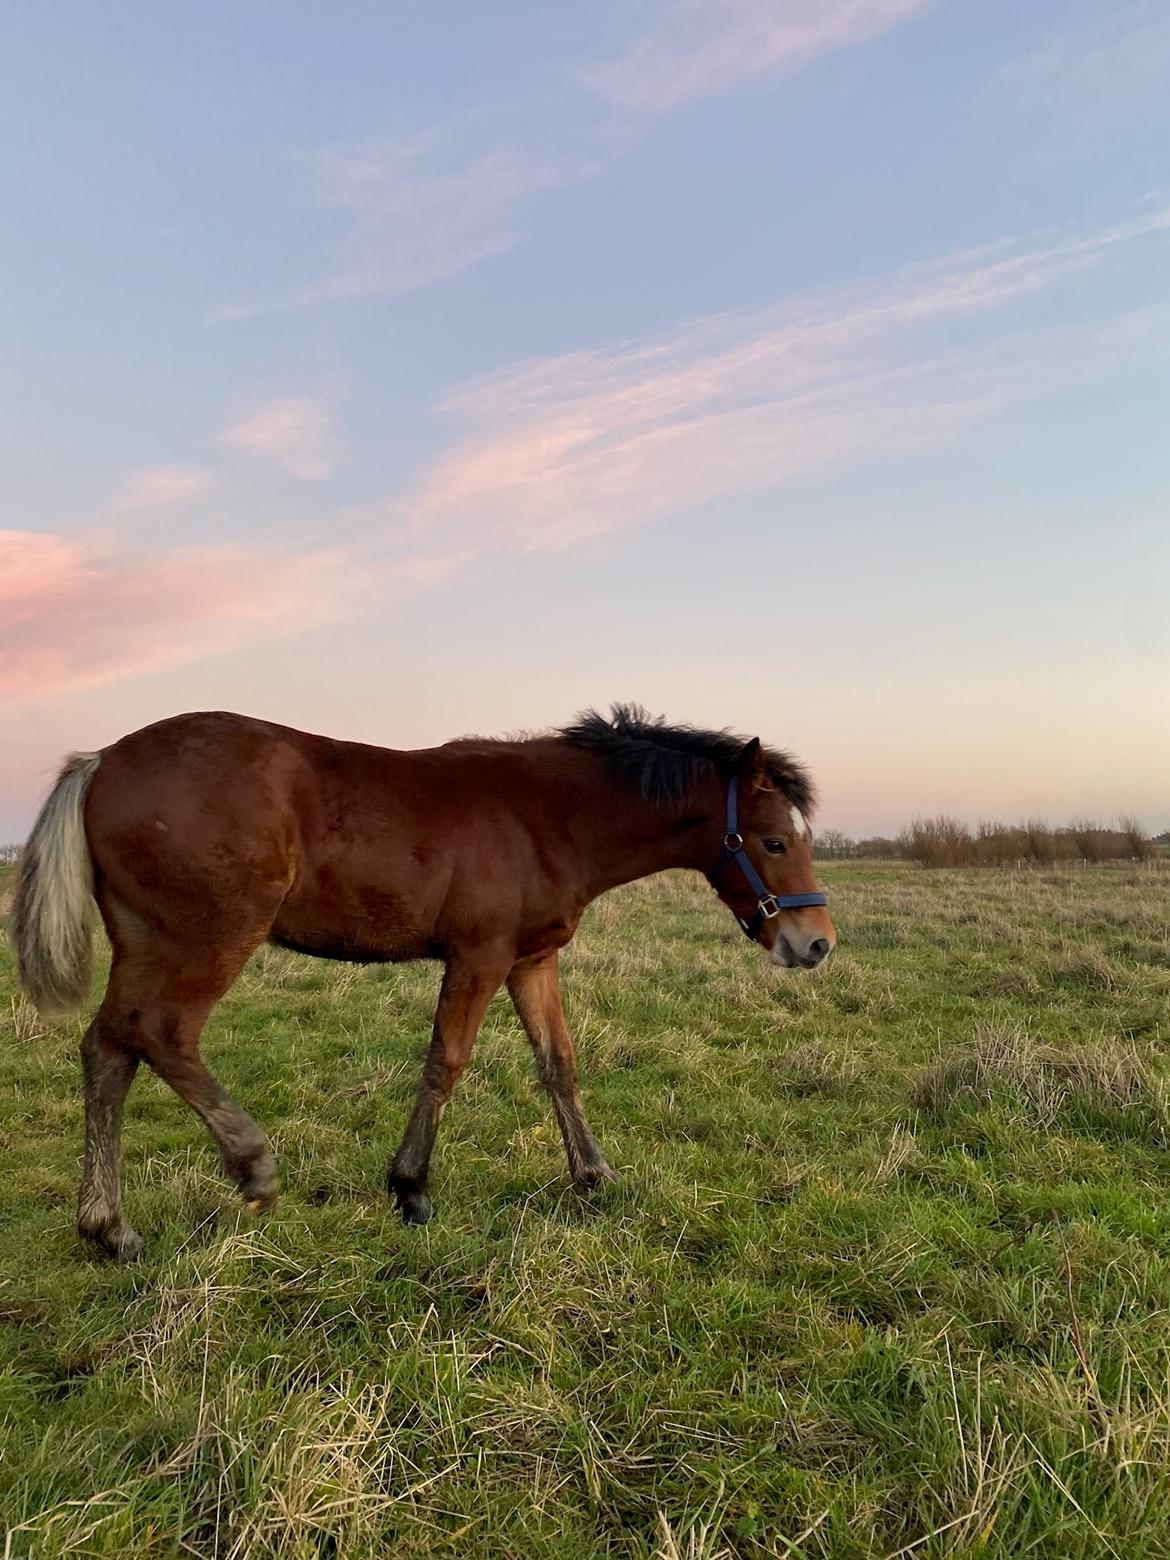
{"type": "Point", "coordinates": [887, 1271]}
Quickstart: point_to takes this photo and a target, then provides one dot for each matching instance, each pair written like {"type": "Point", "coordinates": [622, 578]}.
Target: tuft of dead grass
{"type": "Point", "coordinates": [701, 1541]}
{"type": "Point", "coordinates": [1008, 1060]}
{"type": "Point", "coordinates": [817, 1068]}
{"type": "Point", "coordinates": [27, 1023]}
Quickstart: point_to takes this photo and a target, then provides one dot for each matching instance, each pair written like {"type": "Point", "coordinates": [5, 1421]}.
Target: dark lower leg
{"type": "Point", "coordinates": [108, 1071]}
{"type": "Point", "coordinates": [587, 1164]}
{"type": "Point", "coordinates": [467, 990]}
{"type": "Point", "coordinates": [407, 1177]}
{"type": "Point", "coordinates": [242, 1145]}
{"type": "Point", "coordinates": [243, 1148]}
{"type": "Point", "coordinates": [535, 990]}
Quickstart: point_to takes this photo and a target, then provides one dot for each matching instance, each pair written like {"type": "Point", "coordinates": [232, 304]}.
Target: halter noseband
{"type": "Point", "coordinates": [767, 903]}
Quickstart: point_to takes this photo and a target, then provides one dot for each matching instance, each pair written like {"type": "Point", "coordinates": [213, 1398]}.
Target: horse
{"type": "Point", "coordinates": [205, 835]}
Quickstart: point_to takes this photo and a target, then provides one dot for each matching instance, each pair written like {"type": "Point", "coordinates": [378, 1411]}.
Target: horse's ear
{"type": "Point", "coordinates": [749, 766]}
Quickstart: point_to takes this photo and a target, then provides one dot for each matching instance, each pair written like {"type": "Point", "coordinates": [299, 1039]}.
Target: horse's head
{"type": "Point", "coordinates": [765, 871]}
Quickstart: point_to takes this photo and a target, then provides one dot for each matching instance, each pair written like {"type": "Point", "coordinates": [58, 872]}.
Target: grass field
{"type": "Point", "coordinates": [887, 1271]}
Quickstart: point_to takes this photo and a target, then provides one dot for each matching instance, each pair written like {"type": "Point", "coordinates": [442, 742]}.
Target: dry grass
{"type": "Point", "coordinates": [1007, 1060]}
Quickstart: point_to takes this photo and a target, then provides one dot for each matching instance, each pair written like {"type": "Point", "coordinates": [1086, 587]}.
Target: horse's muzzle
{"type": "Point", "coordinates": [814, 953]}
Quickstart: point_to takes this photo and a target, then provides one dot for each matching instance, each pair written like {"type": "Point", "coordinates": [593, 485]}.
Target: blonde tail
{"type": "Point", "coordinates": [53, 913]}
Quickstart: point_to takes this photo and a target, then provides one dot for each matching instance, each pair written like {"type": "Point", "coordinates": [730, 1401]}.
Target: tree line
{"type": "Point", "coordinates": [943, 841]}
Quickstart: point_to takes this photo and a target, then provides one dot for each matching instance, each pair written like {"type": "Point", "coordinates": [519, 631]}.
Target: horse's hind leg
{"type": "Point", "coordinates": [108, 1069]}
{"type": "Point", "coordinates": [535, 989]}
{"type": "Point", "coordinates": [154, 1011]}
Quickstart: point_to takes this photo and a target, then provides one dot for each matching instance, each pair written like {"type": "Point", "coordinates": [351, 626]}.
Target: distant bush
{"type": "Point", "coordinates": [832, 845]}
{"type": "Point", "coordinates": [881, 846]}
{"type": "Point", "coordinates": [1141, 847]}
{"type": "Point", "coordinates": [943, 841]}
{"type": "Point", "coordinates": [9, 854]}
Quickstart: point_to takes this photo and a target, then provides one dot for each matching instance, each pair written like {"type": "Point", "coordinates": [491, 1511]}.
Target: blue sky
{"type": "Point", "coordinates": [403, 371]}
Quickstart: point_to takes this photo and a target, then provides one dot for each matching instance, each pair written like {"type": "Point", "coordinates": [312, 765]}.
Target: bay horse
{"type": "Point", "coordinates": [205, 835]}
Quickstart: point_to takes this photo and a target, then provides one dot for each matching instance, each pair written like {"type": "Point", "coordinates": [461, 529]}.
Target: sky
{"type": "Point", "coordinates": [399, 371]}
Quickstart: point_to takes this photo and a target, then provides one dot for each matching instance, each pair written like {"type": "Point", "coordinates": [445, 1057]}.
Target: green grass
{"type": "Point", "coordinates": [887, 1271]}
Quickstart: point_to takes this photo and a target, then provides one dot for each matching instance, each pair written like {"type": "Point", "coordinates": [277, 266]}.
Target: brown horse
{"type": "Point", "coordinates": [206, 835]}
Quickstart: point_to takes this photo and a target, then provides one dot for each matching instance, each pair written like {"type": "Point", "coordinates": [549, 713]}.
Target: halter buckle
{"type": "Point", "coordinates": [733, 841]}
{"type": "Point", "coordinates": [768, 907]}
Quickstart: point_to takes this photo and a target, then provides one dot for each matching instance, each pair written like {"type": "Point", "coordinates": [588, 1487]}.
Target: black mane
{"type": "Point", "coordinates": [667, 762]}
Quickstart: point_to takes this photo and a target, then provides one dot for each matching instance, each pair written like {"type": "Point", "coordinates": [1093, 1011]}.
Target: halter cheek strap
{"type": "Point", "coordinates": [767, 903]}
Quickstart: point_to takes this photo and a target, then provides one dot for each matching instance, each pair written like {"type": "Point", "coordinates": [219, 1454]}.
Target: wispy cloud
{"type": "Point", "coordinates": [561, 449]}
{"type": "Point", "coordinates": [158, 487]}
{"type": "Point", "coordinates": [295, 433]}
{"type": "Point", "coordinates": [419, 211]}
{"type": "Point", "coordinates": [1127, 50]}
{"type": "Point", "coordinates": [704, 48]}
{"type": "Point", "coordinates": [422, 208]}
{"type": "Point", "coordinates": [80, 610]}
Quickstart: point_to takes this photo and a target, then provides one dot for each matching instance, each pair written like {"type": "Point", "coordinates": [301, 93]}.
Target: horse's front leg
{"type": "Point", "coordinates": [469, 985]}
{"type": "Point", "coordinates": [535, 989]}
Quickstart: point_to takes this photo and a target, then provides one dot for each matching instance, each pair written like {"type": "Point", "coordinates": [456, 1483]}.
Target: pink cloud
{"type": "Point", "coordinates": [295, 433]}
{"type": "Point", "coordinates": [703, 48]}
{"type": "Point", "coordinates": [561, 449]}
{"type": "Point", "coordinates": [159, 486]}
{"type": "Point", "coordinates": [76, 612]}
{"type": "Point", "coordinates": [419, 211]}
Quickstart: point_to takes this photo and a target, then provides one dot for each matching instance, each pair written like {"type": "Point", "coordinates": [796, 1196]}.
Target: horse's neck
{"type": "Point", "coordinates": [629, 839]}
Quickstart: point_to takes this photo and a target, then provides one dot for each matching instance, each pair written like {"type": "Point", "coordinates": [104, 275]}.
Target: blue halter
{"type": "Point", "coordinates": [768, 904]}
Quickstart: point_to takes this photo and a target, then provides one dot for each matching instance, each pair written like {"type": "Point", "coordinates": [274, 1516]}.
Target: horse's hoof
{"type": "Point", "coordinates": [260, 1185]}
{"type": "Point", "coordinates": [589, 1177]}
{"type": "Point", "coordinates": [413, 1204]}
{"type": "Point", "coordinates": [260, 1196]}
{"type": "Point", "coordinates": [416, 1209]}
{"type": "Point", "coordinates": [121, 1242]}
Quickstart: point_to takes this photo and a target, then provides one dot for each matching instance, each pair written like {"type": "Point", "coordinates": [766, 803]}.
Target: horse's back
{"type": "Point", "coordinates": [221, 827]}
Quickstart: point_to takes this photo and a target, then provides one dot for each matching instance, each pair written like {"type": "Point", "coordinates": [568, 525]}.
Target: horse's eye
{"type": "Point", "coordinates": [774, 847]}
